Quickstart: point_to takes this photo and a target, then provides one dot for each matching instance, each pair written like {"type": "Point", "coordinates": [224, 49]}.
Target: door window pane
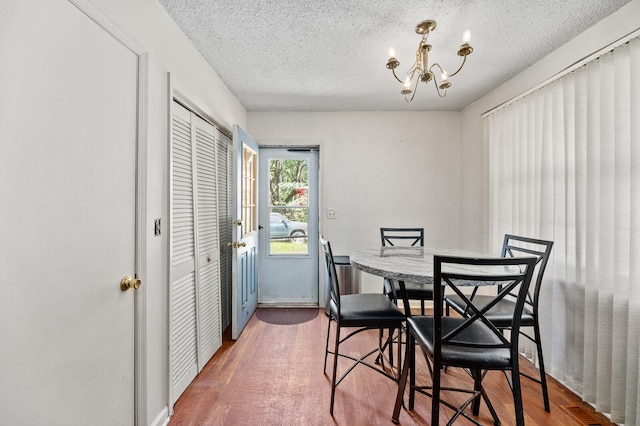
{"type": "Point", "coordinates": [288, 206]}
{"type": "Point", "coordinates": [249, 190]}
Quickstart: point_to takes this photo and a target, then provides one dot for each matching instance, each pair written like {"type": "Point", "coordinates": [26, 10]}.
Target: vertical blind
{"type": "Point", "coordinates": [564, 165]}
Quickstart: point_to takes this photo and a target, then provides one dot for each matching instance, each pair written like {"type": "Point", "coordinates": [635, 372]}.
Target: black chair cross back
{"type": "Point", "coordinates": [413, 237]}
{"type": "Point", "coordinates": [499, 315]}
{"type": "Point", "coordinates": [471, 342]}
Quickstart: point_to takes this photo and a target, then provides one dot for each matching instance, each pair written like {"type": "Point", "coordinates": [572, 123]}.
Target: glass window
{"type": "Point", "coordinates": [288, 206]}
{"type": "Point", "coordinates": [249, 190]}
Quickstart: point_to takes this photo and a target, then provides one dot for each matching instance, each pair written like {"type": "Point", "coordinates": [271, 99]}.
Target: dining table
{"type": "Point", "coordinates": [412, 264]}
{"type": "Point", "coordinates": [405, 264]}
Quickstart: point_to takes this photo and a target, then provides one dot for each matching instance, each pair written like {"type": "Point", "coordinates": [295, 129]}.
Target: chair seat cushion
{"type": "Point", "coordinates": [415, 291]}
{"type": "Point", "coordinates": [367, 309]}
{"type": "Point", "coordinates": [500, 315]}
{"type": "Point", "coordinates": [460, 356]}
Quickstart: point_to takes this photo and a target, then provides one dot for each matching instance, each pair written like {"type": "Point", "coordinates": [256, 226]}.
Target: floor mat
{"type": "Point", "coordinates": [286, 316]}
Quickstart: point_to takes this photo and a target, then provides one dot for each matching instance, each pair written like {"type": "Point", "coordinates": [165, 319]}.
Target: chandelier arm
{"type": "Point", "coordinates": [461, 65]}
{"type": "Point", "coordinates": [413, 95]}
{"type": "Point", "coordinates": [442, 71]}
{"type": "Point", "coordinates": [394, 74]}
{"type": "Point", "coordinates": [415, 89]}
{"type": "Point", "coordinates": [444, 91]}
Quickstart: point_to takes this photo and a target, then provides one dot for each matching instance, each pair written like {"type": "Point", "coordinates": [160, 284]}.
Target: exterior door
{"type": "Point", "coordinates": [68, 160]}
{"type": "Point", "coordinates": [289, 221]}
{"type": "Point", "coordinates": [245, 230]}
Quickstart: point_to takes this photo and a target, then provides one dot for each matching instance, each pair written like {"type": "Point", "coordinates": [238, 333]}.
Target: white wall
{"type": "Point", "coordinates": [147, 23]}
{"type": "Point", "coordinates": [377, 169]}
{"type": "Point", "coordinates": [475, 172]}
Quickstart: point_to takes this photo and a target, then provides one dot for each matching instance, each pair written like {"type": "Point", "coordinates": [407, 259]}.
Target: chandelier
{"type": "Point", "coordinates": [421, 71]}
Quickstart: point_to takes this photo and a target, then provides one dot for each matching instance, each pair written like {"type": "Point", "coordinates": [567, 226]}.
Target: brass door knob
{"type": "Point", "coordinates": [127, 282]}
{"type": "Point", "coordinates": [236, 245]}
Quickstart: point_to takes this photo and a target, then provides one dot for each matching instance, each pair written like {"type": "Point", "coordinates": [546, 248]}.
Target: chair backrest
{"type": "Point", "coordinates": [456, 274]}
{"type": "Point", "coordinates": [402, 236]}
{"type": "Point", "coordinates": [514, 245]}
{"type": "Point", "coordinates": [331, 277]}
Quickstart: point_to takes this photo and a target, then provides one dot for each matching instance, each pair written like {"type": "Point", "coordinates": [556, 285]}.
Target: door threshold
{"type": "Point", "coordinates": [288, 305]}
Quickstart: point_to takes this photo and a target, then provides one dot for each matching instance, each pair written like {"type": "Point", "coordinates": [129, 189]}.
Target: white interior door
{"type": "Point", "coordinates": [208, 262]}
{"type": "Point", "coordinates": [225, 217]}
{"type": "Point", "coordinates": [183, 334]}
{"type": "Point", "coordinates": [245, 230]}
{"type": "Point", "coordinates": [68, 162]}
{"type": "Point", "coordinates": [195, 331]}
{"type": "Point", "coordinates": [289, 220]}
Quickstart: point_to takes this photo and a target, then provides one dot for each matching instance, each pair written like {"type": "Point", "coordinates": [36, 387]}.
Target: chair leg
{"type": "Point", "coordinates": [380, 334]}
{"type": "Point", "coordinates": [543, 375]}
{"type": "Point", "coordinates": [326, 347]}
{"type": "Point", "coordinates": [494, 415]}
{"type": "Point", "coordinates": [517, 395]}
{"type": "Point", "coordinates": [435, 400]}
{"type": "Point", "coordinates": [402, 384]}
{"type": "Point", "coordinates": [477, 386]}
{"type": "Point", "coordinates": [411, 358]}
{"type": "Point", "coordinates": [335, 367]}
{"type": "Point", "coordinates": [391, 330]}
{"type": "Point", "coordinates": [399, 348]}
{"type": "Point", "coordinates": [382, 346]}
{"type": "Point", "coordinates": [422, 306]}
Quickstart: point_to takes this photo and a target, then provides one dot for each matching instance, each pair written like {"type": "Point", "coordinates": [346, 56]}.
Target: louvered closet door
{"type": "Point", "coordinates": [208, 278]}
{"type": "Point", "coordinates": [224, 158]}
{"type": "Point", "coordinates": [182, 293]}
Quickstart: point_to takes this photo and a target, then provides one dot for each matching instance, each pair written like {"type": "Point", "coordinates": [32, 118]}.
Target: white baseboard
{"type": "Point", "coordinates": [162, 419]}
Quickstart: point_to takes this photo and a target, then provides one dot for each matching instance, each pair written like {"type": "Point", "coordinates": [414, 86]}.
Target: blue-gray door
{"type": "Point", "coordinates": [289, 226]}
{"type": "Point", "coordinates": [245, 230]}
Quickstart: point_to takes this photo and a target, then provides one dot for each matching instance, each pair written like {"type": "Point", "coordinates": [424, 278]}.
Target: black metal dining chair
{"type": "Point", "coordinates": [413, 237]}
{"type": "Point", "coordinates": [359, 312]}
{"type": "Point", "coordinates": [499, 315]}
{"type": "Point", "coordinates": [471, 342]}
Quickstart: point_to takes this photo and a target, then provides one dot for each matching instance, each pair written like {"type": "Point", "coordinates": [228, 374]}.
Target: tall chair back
{"type": "Point", "coordinates": [515, 245]}
{"type": "Point", "coordinates": [331, 276]}
{"type": "Point", "coordinates": [413, 237]}
{"type": "Point", "coordinates": [359, 312]}
{"type": "Point", "coordinates": [471, 342]}
{"type": "Point", "coordinates": [500, 314]}
{"type": "Point", "coordinates": [402, 236]}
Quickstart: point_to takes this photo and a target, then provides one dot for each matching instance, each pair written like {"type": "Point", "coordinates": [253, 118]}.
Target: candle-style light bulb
{"type": "Point", "coordinates": [406, 89]}
{"type": "Point", "coordinates": [443, 76]}
{"type": "Point", "coordinates": [392, 52]}
{"type": "Point", "coordinates": [466, 37]}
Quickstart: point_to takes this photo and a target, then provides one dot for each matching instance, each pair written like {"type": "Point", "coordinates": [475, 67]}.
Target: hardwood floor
{"type": "Point", "coordinates": [273, 376]}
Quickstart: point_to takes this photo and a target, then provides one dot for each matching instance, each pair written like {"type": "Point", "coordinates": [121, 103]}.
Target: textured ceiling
{"type": "Point", "coordinates": [330, 55]}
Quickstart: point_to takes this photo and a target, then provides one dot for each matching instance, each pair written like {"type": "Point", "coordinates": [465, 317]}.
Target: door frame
{"type": "Point", "coordinates": [313, 222]}
{"type": "Point", "coordinates": [140, 299]}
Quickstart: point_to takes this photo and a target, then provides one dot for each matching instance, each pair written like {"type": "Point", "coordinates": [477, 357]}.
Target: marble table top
{"type": "Point", "coordinates": [409, 264]}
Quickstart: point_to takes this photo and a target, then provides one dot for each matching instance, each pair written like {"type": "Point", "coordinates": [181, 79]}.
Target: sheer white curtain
{"type": "Point", "coordinates": [565, 166]}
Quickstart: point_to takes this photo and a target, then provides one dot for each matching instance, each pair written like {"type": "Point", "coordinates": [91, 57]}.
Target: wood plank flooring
{"type": "Point", "coordinates": [273, 376]}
